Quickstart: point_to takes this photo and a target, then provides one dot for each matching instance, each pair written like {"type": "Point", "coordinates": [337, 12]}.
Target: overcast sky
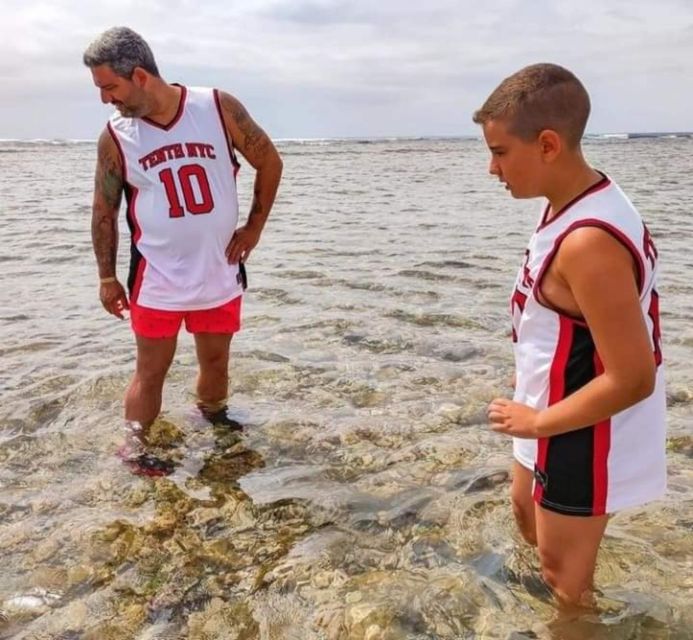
{"type": "Point", "coordinates": [327, 68]}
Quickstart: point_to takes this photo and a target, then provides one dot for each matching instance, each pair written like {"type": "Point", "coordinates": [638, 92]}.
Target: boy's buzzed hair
{"type": "Point", "coordinates": [540, 96]}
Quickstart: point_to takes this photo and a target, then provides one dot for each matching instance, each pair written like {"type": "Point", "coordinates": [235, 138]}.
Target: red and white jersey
{"type": "Point", "coordinates": [619, 462]}
{"type": "Point", "coordinates": [182, 205]}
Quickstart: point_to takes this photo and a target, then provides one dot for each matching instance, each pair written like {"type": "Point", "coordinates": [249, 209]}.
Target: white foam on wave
{"type": "Point", "coordinates": [46, 141]}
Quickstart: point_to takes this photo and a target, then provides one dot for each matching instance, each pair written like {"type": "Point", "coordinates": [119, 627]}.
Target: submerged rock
{"type": "Point", "coordinates": [33, 603]}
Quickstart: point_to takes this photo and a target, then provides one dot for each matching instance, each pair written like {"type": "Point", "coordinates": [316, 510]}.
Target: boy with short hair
{"type": "Point", "coordinates": [588, 413]}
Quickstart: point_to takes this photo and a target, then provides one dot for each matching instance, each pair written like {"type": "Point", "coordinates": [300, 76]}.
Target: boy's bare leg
{"type": "Point", "coordinates": [522, 502]}
{"type": "Point", "coordinates": [568, 547]}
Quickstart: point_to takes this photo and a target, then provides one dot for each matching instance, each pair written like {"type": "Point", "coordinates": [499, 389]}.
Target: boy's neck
{"type": "Point", "coordinates": [572, 180]}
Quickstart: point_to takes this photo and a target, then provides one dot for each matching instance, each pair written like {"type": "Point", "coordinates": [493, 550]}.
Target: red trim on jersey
{"type": "Point", "coordinates": [560, 361]}
{"type": "Point", "coordinates": [133, 214]}
{"type": "Point", "coordinates": [557, 377]}
{"type": "Point", "coordinates": [139, 275]}
{"type": "Point", "coordinates": [179, 113]}
{"type": "Point", "coordinates": [600, 455]}
{"type": "Point", "coordinates": [232, 155]}
{"type": "Point", "coordinates": [518, 300]}
{"type": "Point", "coordinates": [653, 312]}
{"type": "Point", "coordinates": [587, 222]}
{"type": "Point", "coordinates": [598, 186]}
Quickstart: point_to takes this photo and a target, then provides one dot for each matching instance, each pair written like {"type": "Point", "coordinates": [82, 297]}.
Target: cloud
{"type": "Point", "coordinates": [356, 67]}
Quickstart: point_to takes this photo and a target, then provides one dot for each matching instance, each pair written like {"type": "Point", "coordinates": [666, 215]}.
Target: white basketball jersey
{"type": "Point", "coordinates": [182, 206]}
{"type": "Point", "coordinates": [621, 461]}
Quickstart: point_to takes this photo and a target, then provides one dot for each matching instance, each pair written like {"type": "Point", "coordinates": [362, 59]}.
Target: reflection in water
{"type": "Point", "coordinates": [366, 498]}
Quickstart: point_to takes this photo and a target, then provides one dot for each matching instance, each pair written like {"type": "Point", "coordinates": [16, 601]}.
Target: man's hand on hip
{"type": "Point", "coordinates": [244, 240]}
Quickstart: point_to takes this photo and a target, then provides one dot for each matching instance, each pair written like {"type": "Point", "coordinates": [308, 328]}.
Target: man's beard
{"type": "Point", "coordinates": [130, 111]}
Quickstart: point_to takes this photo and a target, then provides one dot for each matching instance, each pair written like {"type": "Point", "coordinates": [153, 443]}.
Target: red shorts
{"type": "Point", "coordinates": [157, 323]}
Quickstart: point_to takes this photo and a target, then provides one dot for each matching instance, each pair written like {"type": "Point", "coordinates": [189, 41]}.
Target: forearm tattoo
{"type": "Point", "coordinates": [108, 190]}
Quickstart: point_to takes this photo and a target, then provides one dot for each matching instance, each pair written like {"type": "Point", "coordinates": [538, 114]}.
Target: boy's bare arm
{"type": "Point", "coordinates": [599, 272]}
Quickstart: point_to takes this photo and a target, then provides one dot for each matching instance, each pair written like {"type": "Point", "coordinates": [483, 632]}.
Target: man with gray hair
{"type": "Point", "coordinates": [170, 150]}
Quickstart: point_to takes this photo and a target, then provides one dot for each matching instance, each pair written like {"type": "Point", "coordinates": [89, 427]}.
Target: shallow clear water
{"type": "Point", "coordinates": [367, 498]}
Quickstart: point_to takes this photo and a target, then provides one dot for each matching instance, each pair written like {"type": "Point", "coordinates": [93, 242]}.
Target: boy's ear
{"type": "Point", "coordinates": [550, 144]}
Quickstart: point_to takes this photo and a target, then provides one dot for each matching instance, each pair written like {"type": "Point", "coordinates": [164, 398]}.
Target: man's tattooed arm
{"type": "Point", "coordinates": [257, 148]}
{"type": "Point", "coordinates": [108, 191]}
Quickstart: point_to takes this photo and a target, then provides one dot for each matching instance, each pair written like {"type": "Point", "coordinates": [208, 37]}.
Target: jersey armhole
{"type": "Point", "coordinates": [229, 145]}
{"type": "Point", "coordinates": [604, 226]}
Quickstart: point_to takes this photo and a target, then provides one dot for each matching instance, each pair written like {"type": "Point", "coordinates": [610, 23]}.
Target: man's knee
{"type": "Point", "coordinates": [214, 363]}
{"type": "Point", "coordinates": [217, 360]}
{"type": "Point", "coordinates": [151, 377]}
{"type": "Point", "coordinates": [154, 357]}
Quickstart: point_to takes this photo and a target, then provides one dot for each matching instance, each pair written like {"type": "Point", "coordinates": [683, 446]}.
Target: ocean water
{"type": "Point", "coordinates": [367, 498]}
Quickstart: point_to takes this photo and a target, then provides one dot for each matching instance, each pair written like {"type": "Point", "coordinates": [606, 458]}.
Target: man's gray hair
{"type": "Point", "coordinates": [121, 49]}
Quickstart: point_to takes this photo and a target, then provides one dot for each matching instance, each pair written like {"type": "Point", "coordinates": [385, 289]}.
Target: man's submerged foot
{"type": "Point", "coordinates": [146, 464]}
{"type": "Point", "coordinates": [221, 418]}
{"type": "Point", "coordinates": [133, 452]}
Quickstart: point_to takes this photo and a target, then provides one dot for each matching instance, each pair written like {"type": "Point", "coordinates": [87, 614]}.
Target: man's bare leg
{"type": "Point", "coordinates": [213, 379]}
{"type": "Point", "coordinates": [213, 358]}
{"type": "Point", "coordinates": [523, 503]}
{"type": "Point", "coordinates": [143, 397]}
{"type": "Point", "coordinates": [568, 547]}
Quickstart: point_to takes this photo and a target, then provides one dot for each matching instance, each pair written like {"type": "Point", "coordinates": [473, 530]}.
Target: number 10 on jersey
{"type": "Point", "coordinates": [195, 203]}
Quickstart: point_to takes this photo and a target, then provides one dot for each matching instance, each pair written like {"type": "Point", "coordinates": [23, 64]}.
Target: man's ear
{"type": "Point", "coordinates": [550, 144]}
{"type": "Point", "coordinates": [139, 77]}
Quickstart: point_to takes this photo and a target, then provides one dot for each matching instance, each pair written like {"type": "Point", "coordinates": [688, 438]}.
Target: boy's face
{"type": "Point", "coordinates": [516, 163]}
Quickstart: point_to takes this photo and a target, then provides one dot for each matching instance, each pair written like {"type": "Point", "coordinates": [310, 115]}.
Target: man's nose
{"type": "Point", "coordinates": [105, 97]}
{"type": "Point", "coordinates": [493, 167]}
